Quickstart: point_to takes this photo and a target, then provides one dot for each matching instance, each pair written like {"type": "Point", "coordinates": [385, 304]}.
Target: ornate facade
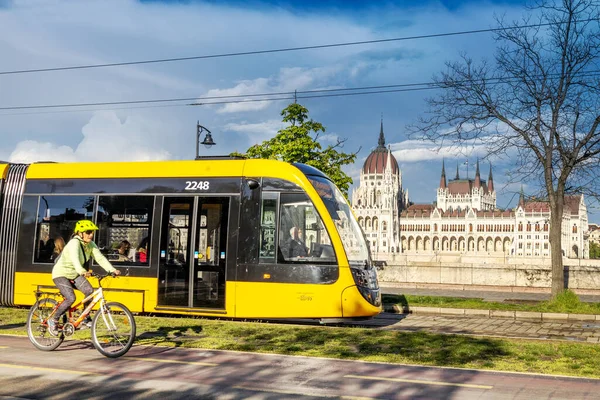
{"type": "Point", "coordinates": [463, 220]}
{"type": "Point", "coordinates": [378, 200]}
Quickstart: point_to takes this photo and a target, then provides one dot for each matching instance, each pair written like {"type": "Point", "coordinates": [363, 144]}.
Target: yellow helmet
{"type": "Point", "coordinates": [85, 225]}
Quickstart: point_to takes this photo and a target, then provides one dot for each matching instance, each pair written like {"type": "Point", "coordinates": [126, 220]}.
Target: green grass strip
{"type": "Point", "coordinates": [565, 302]}
{"type": "Point", "coordinates": [353, 343]}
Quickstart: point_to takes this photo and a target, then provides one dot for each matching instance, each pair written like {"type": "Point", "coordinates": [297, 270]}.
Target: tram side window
{"type": "Point", "coordinates": [56, 220]}
{"type": "Point", "coordinates": [125, 227]}
{"type": "Point", "coordinates": [302, 234]}
{"type": "Point", "coordinates": [268, 223]}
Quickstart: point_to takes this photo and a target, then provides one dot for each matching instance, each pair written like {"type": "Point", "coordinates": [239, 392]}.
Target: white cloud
{"type": "Point", "coordinates": [286, 81]}
{"type": "Point", "coordinates": [330, 138]}
{"type": "Point", "coordinates": [417, 151]}
{"type": "Point", "coordinates": [353, 171]}
{"type": "Point", "coordinates": [105, 138]}
{"type": "Point", "coordinates": [29, 151]}
{"type": "Point", "coordinates": [256, 132]}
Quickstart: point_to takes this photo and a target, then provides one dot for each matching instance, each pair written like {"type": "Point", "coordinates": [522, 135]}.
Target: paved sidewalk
{"type": "Point", "coordinates": [498, 327]}
{"type": "Point", "coordinates": [543, 326]}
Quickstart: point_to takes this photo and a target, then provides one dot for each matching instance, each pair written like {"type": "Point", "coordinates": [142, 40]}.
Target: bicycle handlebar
{"type": "Point", "coordinates": [102, 276]}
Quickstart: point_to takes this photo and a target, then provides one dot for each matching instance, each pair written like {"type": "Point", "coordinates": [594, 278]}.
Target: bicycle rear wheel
{"type": "Point", "coordinates": [113, 330]}
{"type": "Point", "coordinates": [37, 329]}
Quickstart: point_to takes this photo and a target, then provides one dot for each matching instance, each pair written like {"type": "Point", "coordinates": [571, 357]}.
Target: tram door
{"type": "Point", "coordinates": [208, 283]}
{"type": "Point", "coordinates": [193, 250]}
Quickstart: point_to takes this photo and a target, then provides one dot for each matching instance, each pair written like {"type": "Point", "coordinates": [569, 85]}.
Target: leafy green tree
{"type": "Point", "coordinates": [296, 144]}
{"type": "Point", "coordinates": [594, 250]}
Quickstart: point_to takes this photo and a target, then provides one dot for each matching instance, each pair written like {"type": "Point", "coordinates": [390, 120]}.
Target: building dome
{"type": "Point", "coordinates": [377, 161]}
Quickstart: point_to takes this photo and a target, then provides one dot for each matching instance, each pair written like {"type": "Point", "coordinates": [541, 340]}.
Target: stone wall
{"type": "Point", "coordinates": [492, 272]}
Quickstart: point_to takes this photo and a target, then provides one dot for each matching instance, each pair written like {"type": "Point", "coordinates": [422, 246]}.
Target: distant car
{"type": "Point", "coordinates": [380, 264]}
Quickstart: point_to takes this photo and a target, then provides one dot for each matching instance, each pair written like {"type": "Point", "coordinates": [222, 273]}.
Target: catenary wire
{"type": "Point", "coordinates": [288, 49]}
{"type": "Point", "coordinates": [264, 95]}
{"type": "Point", "coordinates": [229, 99]}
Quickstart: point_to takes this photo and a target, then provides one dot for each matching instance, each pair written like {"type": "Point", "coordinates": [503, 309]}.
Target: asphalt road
{"type": "Point", "coordinates": [76, 370]}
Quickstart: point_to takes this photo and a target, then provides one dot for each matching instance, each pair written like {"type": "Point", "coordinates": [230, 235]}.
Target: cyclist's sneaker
{"type": "Point", "coordinates": [53, 327]}
{"type": "Point", "coordinates": [86, 323]}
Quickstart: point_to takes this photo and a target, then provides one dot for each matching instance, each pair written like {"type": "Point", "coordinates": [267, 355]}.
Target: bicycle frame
{"type": "Point", "coordinates": [96, 296]}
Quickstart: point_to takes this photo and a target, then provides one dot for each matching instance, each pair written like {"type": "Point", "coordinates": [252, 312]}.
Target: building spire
{"type": "Point", "coordinates": [443, 178]}
{"type": "Point", "coordinates": [477, 176]}
{"type": "Point", "coordinates": [457, 177]}
{"type": "Point", "coordinates": [490, 180]}
{"type": "Point", "coordinates": [381, 142]}
{"type": "Point", "coordinates": [522, 197]}
{"type": "Point", "coordinates": [388, 164]}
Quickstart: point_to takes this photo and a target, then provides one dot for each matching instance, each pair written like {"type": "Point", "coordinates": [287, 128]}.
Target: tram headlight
{"type": "Point", "coordinates": [365, 277]}
{"type": "Point", "coordinates": [372, 296]}
{"type": "Point", "coordinates": [366, 282]}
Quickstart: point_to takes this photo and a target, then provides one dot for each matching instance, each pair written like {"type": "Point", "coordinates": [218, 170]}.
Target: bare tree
{"type": "Point", "coordinates": [538, 104]}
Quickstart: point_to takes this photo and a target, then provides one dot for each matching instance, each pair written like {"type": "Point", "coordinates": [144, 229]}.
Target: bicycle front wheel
{"type": "Point", "coordinates": [113, 330]}
{"type": "Point", "coordinates": [37, 327]}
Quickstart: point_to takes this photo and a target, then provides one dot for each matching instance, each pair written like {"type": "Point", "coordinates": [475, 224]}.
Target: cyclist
{"type": "Point", "coordinates": [72, 268]}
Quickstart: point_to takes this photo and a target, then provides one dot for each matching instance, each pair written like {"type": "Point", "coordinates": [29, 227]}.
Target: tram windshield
{"type": "Point", "coordinates": [345, 223]}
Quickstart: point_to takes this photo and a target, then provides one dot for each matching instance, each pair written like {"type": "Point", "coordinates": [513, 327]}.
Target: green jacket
{"type": "Point", "coordinates": [70, 262]}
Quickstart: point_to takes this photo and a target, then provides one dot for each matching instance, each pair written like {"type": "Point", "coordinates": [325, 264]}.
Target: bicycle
{"type": "Point", "coordinates": [113, 326]}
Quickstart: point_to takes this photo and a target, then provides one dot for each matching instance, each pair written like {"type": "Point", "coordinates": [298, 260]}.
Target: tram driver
{"type": "Point", "coordinates": [295, 245]}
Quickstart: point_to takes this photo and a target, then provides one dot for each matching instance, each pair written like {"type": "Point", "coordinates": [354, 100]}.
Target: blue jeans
{"type": "Point", "coordinates": [66, 287]}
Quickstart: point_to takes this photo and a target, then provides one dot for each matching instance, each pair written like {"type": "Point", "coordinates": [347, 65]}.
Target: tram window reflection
{"type": "Point", "coordinates": [56, 219]}
{"type": "Point", "coordinates": [124, 233]}
{"type": "Point", "coordinates": [302, 237]}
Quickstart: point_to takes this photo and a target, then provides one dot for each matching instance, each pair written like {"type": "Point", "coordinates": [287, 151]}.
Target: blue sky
{"type": "Point", "coordinates": [45, 34]}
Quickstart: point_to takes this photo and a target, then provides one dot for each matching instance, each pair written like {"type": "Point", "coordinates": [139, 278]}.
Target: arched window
{"type": "Point", "coordinates": [574, 228]}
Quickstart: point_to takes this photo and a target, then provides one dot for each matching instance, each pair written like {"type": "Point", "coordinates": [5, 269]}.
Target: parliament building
{"type": "Point", "coordinates": [464, 219]}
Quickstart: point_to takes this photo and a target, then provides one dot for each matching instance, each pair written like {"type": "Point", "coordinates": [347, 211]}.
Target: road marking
{"type": "Point", "coordinates": [435, 383]}
{"type": "Point", "coordinates": [172, 361]}
{"type": "Point", "coordinates": [63, 371]}
{"type": "Point", "coordinates": [302, 393]}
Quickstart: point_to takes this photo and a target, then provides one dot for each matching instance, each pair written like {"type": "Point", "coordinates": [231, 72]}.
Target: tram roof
{"type": "Point", "coordinates": [216, 167]}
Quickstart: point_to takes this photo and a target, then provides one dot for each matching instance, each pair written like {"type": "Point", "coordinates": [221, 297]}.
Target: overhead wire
{"type": "Point", "coordinates": [266, 97]}
{"type": "Point", "coordinates": [242, 98]}
{"type": "Point", "coordinates": [280, 50]}
{"type": "Point", "coordinates": [260, 97]}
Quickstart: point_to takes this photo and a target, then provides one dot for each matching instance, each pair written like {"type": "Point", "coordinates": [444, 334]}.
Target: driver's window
{"type": "Point", "coordinates": [302, 236]}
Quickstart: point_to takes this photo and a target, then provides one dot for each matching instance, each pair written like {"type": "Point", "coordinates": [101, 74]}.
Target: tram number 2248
{"type": "Point", "coordinates": [197, 185]}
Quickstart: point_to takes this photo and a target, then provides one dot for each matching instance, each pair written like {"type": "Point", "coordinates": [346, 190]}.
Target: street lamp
{"type": "Point", "coordinates": [207, 142]}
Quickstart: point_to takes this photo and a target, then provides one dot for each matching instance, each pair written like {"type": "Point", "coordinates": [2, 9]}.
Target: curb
{"type": "Point", "coordinates": [469, 312]}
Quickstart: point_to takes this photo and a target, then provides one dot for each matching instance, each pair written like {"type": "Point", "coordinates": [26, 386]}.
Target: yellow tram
{"type": "Point", "coordinates": [236, 238]}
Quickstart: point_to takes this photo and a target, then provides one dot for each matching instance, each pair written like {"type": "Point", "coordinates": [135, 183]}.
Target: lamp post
{"type": "Point", "coordinates": [207, 142]}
